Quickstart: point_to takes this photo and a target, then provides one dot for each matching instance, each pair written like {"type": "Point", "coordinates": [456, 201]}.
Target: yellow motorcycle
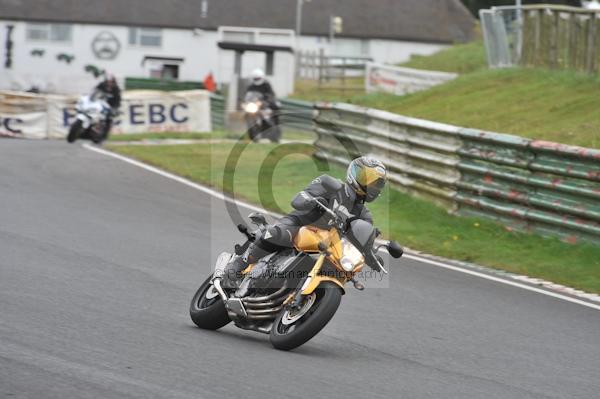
{"type": "Point", "coordinates": [293, 293]}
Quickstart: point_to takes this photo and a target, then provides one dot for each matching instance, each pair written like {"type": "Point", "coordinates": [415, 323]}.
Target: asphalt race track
{"type": "Point", "coordinates": [99, 259]}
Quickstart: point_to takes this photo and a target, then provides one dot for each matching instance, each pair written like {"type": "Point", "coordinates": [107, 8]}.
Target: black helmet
{"type": "Point", "coordinates": [367, 177]}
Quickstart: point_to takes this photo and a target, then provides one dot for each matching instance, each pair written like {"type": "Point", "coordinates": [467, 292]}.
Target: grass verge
{"type": "Point", "coordinates": [461, 58]}
{"type": "Point", "coordinates": [538, 104]}
{"type": "Point", "coordinates": [413, 222]}
{"type": "Point", "coordinates": [164, 135]}
{"type": "Point", "coordinates": [219, 134]}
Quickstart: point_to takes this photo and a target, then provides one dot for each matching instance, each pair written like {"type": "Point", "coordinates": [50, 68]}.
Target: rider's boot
{"type": "Point", "coordinates": [232, 275]}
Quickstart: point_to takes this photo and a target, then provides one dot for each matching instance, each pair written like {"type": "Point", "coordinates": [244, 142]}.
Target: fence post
{"type": "Point", "coordinates": [538, 36]}
{"type": "Point", "coordinates": [591, 44]}
{"type": "Point", "coordinates": [321, 65]}
{"type": "Point", "coordinates": [572, 41]}
{"type": "Point", "coordinates": [554, 40]}
{"type": "Point", "coordinates": [344, 75]}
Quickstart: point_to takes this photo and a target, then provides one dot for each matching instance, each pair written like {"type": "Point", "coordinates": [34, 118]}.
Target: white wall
{"type": "Point", "coordinates": [198, 50]}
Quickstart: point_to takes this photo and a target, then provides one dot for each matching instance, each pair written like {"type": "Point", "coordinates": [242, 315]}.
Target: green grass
{"type": "Point", "coordinates": [164, 135]}
{"type": "Point", "coordinates": [533, 103]}
{"type": "Point", "coordinates": [413, 222]}
{"type": "Point", "coordinates": [219, 134]}
{"type": "Point", "coordinates": [309, 90]}
{"type": "Point", "coordinates": [461, 58]}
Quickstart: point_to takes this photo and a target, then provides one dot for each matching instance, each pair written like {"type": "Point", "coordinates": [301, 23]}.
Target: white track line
{"type": "Point", "coordinates": [223, 197]}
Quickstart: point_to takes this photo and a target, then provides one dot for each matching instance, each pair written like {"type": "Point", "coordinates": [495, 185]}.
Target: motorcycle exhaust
{"type": "Point", "coordinates": [233, 305]}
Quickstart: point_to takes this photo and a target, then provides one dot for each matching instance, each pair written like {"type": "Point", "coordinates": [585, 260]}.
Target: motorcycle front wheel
{"type": "Point", "coordinates": [75, 131]}
{"type": "Point", "coordinates": [293, 328]}
{"type": "Point", "coordinates": [207, 309]}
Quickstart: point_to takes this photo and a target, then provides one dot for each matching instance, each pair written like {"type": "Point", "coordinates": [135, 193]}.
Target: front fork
{"type": "Point", "coordinates": [313, 281]}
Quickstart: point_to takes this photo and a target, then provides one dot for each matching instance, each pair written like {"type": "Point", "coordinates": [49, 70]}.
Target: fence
{"type": "Point", "coordinates": [400, 80]}
{"type": "Point", "coordinates": [555, 37]}
{"type": "Point", "coordinates": [342, 70]}
{"type": "Point", "coordinates": [528, 185]}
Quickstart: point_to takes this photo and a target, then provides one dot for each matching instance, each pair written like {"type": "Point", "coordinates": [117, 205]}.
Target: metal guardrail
{"type": "Point", "coordinates": [421, 155]}
{"type": "Point", "coordinates": [217, 111]}
{"type": "Point", "coordinates": [297, 115]}
{"type": "Point", "coordinates": [529, 185]}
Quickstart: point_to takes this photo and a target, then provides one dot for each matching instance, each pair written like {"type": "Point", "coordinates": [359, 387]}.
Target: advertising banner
{"type": "Point", "coordinates": [29, 125]}
{"type": "Point", "coordinates": [400, 80]}
{"type": "Point", "coordinates": [141, 112]}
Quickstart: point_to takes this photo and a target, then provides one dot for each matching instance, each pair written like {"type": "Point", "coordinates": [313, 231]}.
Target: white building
{"type": "Point", "coordinates": [57, 45]}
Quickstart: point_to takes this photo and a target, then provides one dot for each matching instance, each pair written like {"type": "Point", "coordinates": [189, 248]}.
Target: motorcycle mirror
{"type": "Point", "coordinates": [258, 218]}
{"type": "Point", "coordinates": [395, 250]}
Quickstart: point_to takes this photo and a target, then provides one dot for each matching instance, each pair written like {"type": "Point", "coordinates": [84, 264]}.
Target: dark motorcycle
{"type": "Point", "coordinates": [260, 118]}
{"type": "Point", "coordinates": [291, 294]}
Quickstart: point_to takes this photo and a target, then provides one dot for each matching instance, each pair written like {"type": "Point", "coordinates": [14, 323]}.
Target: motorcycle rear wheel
{"type": "Point", "coordinates": [290, 336]}
{"type": "Point", "coordinates": [208, 311]}
{"type": "Point", "coordinates": [75, 131]}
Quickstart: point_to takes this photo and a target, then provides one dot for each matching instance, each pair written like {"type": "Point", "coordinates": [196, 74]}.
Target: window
{"type": "Point", "coordinates": [147, 37]}
{"type": "Point", "coordinates": [49, 32]}
{"type": "Point", "coordinates": [37, 31]}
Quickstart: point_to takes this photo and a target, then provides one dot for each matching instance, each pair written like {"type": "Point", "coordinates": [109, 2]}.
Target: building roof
{"type": "Point", "coordinates": [442, 21]}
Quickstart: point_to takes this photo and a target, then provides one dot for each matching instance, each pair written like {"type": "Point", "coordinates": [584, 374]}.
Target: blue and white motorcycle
{"type": "Point", "coordinates": [93, 120]}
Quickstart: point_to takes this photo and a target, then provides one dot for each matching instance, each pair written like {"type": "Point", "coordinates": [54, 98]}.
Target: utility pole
{"type": "Point", "coordinates": [336, 26]}
{"type": "Point", "coordinates": [299, 4]}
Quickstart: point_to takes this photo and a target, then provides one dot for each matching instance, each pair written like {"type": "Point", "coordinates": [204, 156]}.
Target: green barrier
{"type": "Point", "coordinates": [217, 111]}
{"type": "Point", "coordinates": [297, 115]}
{"type": "Point", "coordinates": [537, 186]}
{"type": "Point", "coordinates": [160, 84]}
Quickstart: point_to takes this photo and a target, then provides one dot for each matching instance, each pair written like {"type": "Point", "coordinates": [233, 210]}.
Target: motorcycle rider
{"type": "Point", "coordinates": [110, 88]}
{"type": "Point", "coordinates": [260, 84]}
{"type": "Point", "coordinates": [365, 179]}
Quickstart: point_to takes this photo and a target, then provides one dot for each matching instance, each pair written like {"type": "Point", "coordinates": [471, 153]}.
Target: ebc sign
{"type": "Point", "coordinates": [152, 117]}
{"type": "Point", "coordinates": [27, 125]}
{"type": "Point", "coordinates": [12, 126]}
{"type": "Point", "coordinates": [143, 112]}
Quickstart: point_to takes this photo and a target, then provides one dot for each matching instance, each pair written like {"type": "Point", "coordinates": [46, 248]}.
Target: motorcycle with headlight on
{"type": "Point", "coordinates": [292, 294]}
{"type": "Point", "coordinates": [260, 120]}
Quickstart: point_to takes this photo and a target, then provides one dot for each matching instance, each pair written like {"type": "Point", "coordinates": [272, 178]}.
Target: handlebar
{"type": "Point", "coordinates": [325, 208]}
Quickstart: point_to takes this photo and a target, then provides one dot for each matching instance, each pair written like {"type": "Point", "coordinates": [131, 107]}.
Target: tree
{"type": "Point", "coordinates": [476, 5]}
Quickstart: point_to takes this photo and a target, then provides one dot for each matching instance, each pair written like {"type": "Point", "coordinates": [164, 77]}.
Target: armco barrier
{"type": "Point", "coordinates": [421, 155]}
{"type": "Point", "coordinates": [217, 111]}
{"type": "Point", "coordinates": [527, 185]}
{"type": "Point", "coordinates": [297, 115]}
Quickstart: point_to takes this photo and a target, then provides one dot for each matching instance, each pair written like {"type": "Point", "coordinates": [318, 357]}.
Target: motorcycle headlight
{"type": "Point", "coordinates": [251, 108]}
{"type": "Point", "coordinates": [351, 256]}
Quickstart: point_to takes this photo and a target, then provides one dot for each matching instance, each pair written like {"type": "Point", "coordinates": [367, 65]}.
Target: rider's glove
{"type": "Point", "coordinates": [322, 201]}
{"type": "Point", "coordinates": [343, 216]}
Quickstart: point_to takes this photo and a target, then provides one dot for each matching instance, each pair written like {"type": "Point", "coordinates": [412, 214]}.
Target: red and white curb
{"type": "Point", "coordinates": [543, 287]}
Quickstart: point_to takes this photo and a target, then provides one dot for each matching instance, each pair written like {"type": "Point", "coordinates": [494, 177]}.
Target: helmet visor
{"type": "Point", "coordinates": [370, 179]}
{"type": "Point", "coordinates": [374, 189]}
